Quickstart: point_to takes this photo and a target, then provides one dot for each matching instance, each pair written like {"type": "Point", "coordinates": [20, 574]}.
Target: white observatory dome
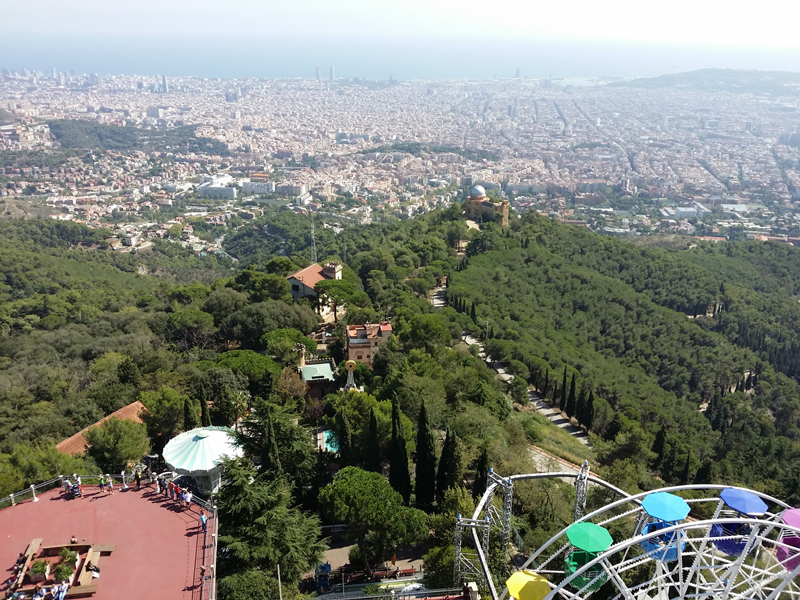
{"type": "Point", "coordinates": [478, 191]}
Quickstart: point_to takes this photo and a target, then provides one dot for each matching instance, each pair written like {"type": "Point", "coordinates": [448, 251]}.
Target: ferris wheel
{"type": "Point", "coordinates": [736, 544]}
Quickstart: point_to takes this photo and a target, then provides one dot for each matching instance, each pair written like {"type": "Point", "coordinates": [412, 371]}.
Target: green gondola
{"type": "Point", "coordinates": [589, 540]}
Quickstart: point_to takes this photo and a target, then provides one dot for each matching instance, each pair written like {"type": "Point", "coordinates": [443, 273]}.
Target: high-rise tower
{"type": "Point", "coordinates": [332, 74]}
{"type": "Point", "coordinates": [318, 77]}
{"type": "Point", "coordinates": [164, 85]}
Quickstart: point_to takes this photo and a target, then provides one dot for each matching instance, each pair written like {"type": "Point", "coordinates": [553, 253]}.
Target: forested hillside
{"type": "Point", "coordinates": [653, 351]}
{"type": "Point", "coordinates": [649, 331]}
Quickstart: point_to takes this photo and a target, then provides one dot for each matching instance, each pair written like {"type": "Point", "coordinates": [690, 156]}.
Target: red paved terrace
{"type": "Point", "coordinates": [158, 550]}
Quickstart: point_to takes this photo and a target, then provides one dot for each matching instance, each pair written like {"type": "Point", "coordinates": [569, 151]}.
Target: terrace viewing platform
{"type": "Point", "coordinates": [157, 547]}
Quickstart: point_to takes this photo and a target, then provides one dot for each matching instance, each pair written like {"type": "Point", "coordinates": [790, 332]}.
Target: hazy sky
{"type": "Point", "coordinates": [766, 23]}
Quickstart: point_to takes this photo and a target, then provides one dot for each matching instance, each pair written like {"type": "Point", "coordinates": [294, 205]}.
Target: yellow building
{"type": "Point", "coordinates": [480, 207]}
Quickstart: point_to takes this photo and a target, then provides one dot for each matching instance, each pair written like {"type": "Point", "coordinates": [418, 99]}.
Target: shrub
{"type": "Point", "coordinates": [39, 567]}
{"type": "Point", "coordinates": [63, 572]}
{"type": "Point", "coordinates": [68, 556]}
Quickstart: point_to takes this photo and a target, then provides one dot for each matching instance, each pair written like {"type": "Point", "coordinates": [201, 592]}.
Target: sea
{"type": "Point", "coordinates": [376, 58]}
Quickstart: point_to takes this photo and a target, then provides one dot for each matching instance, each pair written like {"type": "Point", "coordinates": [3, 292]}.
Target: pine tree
{"type": "Point", "coordinates": [580, 407]}
{"type": "Point", "coordinates": [658, 447]}
{"type": "Point", "coordinates": [571, 401]}
{"type": "Point", "coordinates": [270, 460]}
{"type": "Point", "coordinates": [373, 459]}
{"type": "Point", "coordinates": [190, 420]}
{"type": "Point", "coordinates": [399, 478]}
{"type": "Point", "coordinates": [449, 474]}
{"type": "Point", "coordinates": [563, 404]}
{"type": "Point", "coordinates": [589, 411]}
{"type": "Point", "coordinates": [481, 473]}
{"type": "Point", "coordinates": [205, 418]}
{"type": "Point", "coordinates": [426, 462]}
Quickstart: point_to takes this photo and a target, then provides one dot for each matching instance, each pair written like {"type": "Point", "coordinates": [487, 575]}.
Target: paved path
{"type": "Point", "coordinates": [439, 297]}
{"type": "Point", "coordinates": [557, 418]}
{"type": "Point", "coordinates": [552, 414]}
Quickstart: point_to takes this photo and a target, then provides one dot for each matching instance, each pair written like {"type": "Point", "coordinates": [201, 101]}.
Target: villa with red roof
{"type": "Point", "coordinates": [304, 280]}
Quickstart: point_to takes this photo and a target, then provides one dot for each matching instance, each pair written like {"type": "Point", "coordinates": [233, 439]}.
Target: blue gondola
{"type": "Point", "coordinates": [664, 510]}
{"type": "Point", "coordinates": [745, 504]}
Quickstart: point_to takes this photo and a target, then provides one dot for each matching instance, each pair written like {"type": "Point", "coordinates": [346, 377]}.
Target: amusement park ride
{"type": "Point", "coordinates": [749, 548]}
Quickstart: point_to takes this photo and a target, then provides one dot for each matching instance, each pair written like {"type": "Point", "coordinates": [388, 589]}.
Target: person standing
{"type": "Point", "coordinates": [172, 490]}
{"type": "Point", "coordinates": [188, 498]}
{"type": "Point", "coordinates": [102, 483]}
{"type": "Point", "coordinates": [138, 478]}
{"type": "Point", "coordinates": [203, 521]}
{"type": "Point", "coordinates": [79, 482]}
{"type": "Point", "coordinates": [179, 494]}
{"type": "Point", "coordinates": [109, 484]}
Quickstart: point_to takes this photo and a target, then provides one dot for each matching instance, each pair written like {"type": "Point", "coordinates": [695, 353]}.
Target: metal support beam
{"type": "Point", "coordinates": [581, 489]}
{"type": "Point", "coordinates": [466, 563]}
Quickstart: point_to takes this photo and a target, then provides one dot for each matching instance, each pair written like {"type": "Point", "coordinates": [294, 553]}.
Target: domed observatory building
{"type": "Point", "coordinates": [198, 452]}
{"type": "Point", "coordinates": [480, 207]}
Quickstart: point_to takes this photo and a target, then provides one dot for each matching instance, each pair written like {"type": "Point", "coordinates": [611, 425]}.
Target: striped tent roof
{"type": "Point", "coordinates": [199, 450]}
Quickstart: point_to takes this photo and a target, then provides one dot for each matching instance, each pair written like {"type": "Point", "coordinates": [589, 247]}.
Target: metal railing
{"type": "Point", "coordinates": [208, 589]}
{"type": "Point", "coordinates": [209, 581]}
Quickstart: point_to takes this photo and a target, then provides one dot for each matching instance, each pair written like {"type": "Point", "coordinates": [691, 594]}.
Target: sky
{"type": "Point", "coordinates": [698, 32]}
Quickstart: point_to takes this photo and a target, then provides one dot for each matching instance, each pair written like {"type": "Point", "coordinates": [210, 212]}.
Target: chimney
{"type": "Point", "coordinates": [302, 350]}
{"type": "Point", "coordinates": [332, 270]}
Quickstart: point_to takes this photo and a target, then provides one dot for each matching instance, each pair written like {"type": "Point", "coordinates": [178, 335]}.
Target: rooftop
{"type": "Point", "coordinates": [310, 276]}
{"type": "Point", "coordinates": [158, 550]}
{"type": "Point", "coordinates": [78, 444]}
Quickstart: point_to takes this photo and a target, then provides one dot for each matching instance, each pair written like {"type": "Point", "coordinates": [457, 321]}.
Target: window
{"type": "Point", "coordinates": [359, 357]}
{"type": "Point", "coordinates": [295, 287]}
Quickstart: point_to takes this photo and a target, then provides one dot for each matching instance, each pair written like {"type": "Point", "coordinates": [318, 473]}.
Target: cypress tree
{"type": "Point", "coordinates": [190, 420]}
{"type": "Point", "coordinates": [555, 394]}
{"type": "Point", "coordinates": [563, 404]}
{"type": "Point", "coordinates": [705, 473]}
{"type": "Point", "coordinates": [571, 401]}
{"type": "Point", "coordinates": [270, 460]}
{"type": "Point", "coordinates": [399, 478]}
{"type": "Point", "coordinates": [426, 462]}
{"type": "Point", "coordinates": [749, 383]}
{"type": "Point", "coordinates": [580, 407]}
{"type": "Point", "coordinates": [449, 474]}
{"type": "Point", "coordinates": [472, 313]}
{"type": "Point", "coordinates": [686, 468]}
{"type": "Point", "coordinates": [373, 458]}
{"type": "Point", "coordinates": [205, 418]}
{"type": "Point", "coordinates": [546, 382]}
{"type": "Point", "coordinates": [589, 411]}
{"type": "Point", "coordinates": [658, 447]}
{"type": "Point", "coordinates": [481, 473]}
{"type": "Point", "coordinates": [345, 440]}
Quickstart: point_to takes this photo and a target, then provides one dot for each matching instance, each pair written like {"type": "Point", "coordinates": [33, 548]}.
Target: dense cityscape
{"type": "Point", "coordinates": [620, 159]}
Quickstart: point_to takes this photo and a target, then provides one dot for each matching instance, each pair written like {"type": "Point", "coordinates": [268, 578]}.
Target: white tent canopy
{"type": "Point", "coordinates": [197, 452]}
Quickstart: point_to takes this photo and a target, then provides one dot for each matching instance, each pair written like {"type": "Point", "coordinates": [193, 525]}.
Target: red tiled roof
{"type": "Point", "coordinates": [310, 276]}
{"type": "Point", "coordinates": [77, 444]}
